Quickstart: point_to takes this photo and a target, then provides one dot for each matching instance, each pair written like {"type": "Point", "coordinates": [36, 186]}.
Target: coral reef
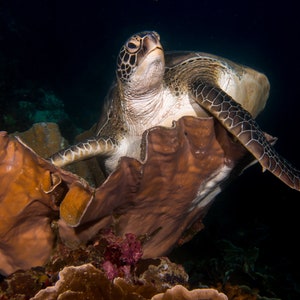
{"type": "Point", "coordinates": [23, 285]}
{"type": "Point", "coordinates": [180, 292]}
{"type": "Point", "coordinates": [22, 107]}
{"type": "Point", "coordinates": [43, 138]}
{"type": "Point", "coordinates": [150, 205]}
{"type": "Point", "coordinates": [87, 282]}
{"type": "Point", "coordinates": [29, 201]}
{"type": "Point", "coordinates": [163, 192]}
{"type": "Point", "coordinates": [43, 106]}
{"type": "Point", "coordinates": [27, 208]}
{"type": "Point", "coordinates": [120, 255]}
{"type": "Point", "coordinates": [80, 274]}
{"type": "Point", "coordinates": [191, 157]}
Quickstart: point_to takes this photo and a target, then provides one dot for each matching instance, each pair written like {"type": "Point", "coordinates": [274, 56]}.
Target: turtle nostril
{"type": "Point", "coordinates": [153, 36]}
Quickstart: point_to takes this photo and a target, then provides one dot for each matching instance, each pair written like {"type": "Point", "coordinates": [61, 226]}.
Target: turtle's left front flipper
{"type": "Point", "coordinates": [241, 125]}
{"type": "Point", "coordinates": [102, 146]}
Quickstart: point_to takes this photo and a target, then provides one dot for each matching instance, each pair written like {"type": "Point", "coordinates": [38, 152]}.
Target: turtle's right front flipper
{"type": "Point", "coordinates": [241, 124]}
{"type": "Point", "coordinates": [91, 147]}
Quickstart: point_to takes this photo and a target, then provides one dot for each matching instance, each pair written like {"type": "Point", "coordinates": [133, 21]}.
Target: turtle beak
{"type": "Point", "coordinates": [151, 42]}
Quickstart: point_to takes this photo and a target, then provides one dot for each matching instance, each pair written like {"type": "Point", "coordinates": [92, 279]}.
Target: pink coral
{"type": "Point", "coordinates": [121, 254]}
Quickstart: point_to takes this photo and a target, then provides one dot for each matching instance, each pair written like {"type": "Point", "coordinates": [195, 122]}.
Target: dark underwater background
{"type": "Point", "coordinates": [63, 53]}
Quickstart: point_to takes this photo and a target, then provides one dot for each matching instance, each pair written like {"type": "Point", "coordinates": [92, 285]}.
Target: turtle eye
{"type": "Point", "coordinates": [132, 46]}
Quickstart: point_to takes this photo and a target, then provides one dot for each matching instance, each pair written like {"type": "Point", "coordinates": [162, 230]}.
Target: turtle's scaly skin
{"type": "Point", "coordinates": [241, 124]}
{"type": "Point", "coordinates": [154, 88]}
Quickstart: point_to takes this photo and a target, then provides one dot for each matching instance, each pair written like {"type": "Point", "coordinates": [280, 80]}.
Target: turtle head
{"type": "Point", "coordinates": [141, 64]}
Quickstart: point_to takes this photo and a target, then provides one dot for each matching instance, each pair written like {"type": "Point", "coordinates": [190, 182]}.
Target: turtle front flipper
{"type": "Point", "coordinates": [240, 123]}
{"type": "Point", "coordinates": [83, 150]}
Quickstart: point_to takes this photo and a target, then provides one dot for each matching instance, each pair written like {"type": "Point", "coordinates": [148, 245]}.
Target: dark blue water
{"type": "Point", "coordinates": [70, 48]}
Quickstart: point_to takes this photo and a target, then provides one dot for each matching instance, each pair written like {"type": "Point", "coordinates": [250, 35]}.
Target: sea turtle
{"type": "Point", "coordinates": [154, 88]}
